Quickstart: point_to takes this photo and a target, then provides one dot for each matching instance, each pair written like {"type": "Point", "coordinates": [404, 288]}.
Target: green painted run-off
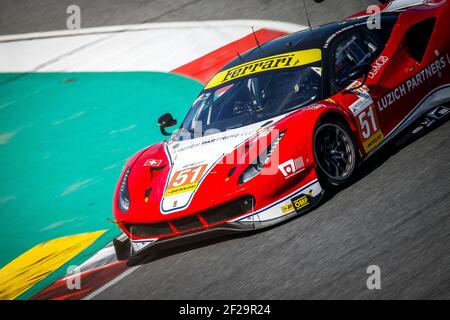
{"type": "Point", "coordinates": [64, 137]}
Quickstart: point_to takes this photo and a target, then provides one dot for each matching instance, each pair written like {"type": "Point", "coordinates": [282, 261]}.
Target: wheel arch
{"type": "Point", "coordinates": [335, 115]}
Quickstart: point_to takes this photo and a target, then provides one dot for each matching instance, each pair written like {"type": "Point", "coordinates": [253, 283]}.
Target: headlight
{"type": "Point", "coordinates": [124, 196]}
{"type": "Point", "coordinates": [255, 168]}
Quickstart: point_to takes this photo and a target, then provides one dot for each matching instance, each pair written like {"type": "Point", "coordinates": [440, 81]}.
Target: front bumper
{"type": "Point", "coordinates": [270, 215]}
{"type": "Point", "coordinates": [126, 248]}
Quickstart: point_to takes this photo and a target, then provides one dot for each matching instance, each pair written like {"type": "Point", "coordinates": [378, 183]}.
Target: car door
{"type": "Point", "coordinates": [355, 48]}
{"type": "Point", "coordinates": [405, 79]}
{"type": "Point", "coordinates": [399, 80]}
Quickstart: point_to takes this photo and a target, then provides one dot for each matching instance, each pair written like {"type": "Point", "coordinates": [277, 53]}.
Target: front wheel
{"type": "Point", "coordinates": [335, 153]}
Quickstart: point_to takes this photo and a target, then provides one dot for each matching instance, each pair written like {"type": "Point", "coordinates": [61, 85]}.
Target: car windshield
{"type": "Point", "coordinates": [253, 99]}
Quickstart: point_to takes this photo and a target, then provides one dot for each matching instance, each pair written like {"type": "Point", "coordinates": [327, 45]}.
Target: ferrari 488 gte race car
{"type": "Point", "coordinates": [283, 122]}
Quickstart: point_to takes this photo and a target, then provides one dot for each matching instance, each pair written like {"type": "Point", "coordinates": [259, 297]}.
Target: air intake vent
{"type": "Point", "coordinates": [229, 211]}
{"type": "Point", "coordinates": [149, 230]}
{"type": "Point", "coordinates": [188, 223]}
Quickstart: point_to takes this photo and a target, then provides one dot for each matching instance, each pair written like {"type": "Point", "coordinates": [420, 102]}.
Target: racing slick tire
{"type": "Point", "coordinates": [335, 152]}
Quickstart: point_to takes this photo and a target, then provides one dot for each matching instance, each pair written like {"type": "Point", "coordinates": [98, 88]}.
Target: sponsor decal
{"type": "Point", "coordinates": [364, 99]}
{"type": "Point", "coordinates": [297, 203]}
{"type": "Point", "coordinates": [330, 38]}
{"type": "Point", "coordinates": [378, 64]}
{"type": "Point", "coordinates": [314, 106]}
{"type": "Point", "coordinates": [367, 120]}
{"type": "Point", "coordinates": [279, 61]}
{"type": "Point", "coordinates": [180, 189]}
{"type": "Point", "coordinates": [421, 77]}
{"type": "Point", "coordinates": [369, 128]}
{"type": "Point", "coordinates": [232, 136]}
{"type": "Point", "coordinates": [431, 117]}
{"type": "Point", "coordinates": [292, 167]}
{"type": "Point", "coordinates": [289, 207]}
{"type": "Point", "coordinates": [373, 141]}
{"type": "Point", "coordinates": [152, 163]}
{"type": "Point", "coordinates": [392, 97]}
{"type": "Point", "coordinates": [300, 202]}
{"type": "Point", "coordinates": [185, 180]}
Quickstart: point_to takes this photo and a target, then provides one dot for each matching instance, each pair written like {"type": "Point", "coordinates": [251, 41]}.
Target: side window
{"type": "Point", "coordinates": [352, 50]}
{"type": "Point", "coordinates": [383, 34]}
{"type": "Point", "coordinates": [417, 38]}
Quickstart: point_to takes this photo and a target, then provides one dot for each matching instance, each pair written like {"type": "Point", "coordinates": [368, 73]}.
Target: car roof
{"type": "Point", "coordinates": [301, 40]}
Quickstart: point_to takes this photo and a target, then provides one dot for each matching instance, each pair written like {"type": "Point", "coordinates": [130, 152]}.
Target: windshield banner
{"type": "Point", "coordinates": [279, 61]}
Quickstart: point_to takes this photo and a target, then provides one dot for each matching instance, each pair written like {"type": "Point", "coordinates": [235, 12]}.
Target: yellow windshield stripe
{"type": "Point", "coordinates": [279, 61]}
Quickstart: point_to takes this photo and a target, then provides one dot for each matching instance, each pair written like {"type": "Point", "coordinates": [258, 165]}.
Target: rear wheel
{"type": "Point", "coordinates": [335, 153]}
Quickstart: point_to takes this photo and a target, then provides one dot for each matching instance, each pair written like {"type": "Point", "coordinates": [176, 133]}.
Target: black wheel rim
{"type": "Point", "coordinates": [334, 151]}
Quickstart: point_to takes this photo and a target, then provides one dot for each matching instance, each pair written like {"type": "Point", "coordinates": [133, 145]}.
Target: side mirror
{"type": "Point", "coordinates": [357, 72]}
{"type": "Point", "coordinates": [164, 121]}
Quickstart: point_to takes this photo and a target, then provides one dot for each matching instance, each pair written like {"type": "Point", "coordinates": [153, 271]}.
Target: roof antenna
{"type": "Point", "coordinates": [307, 16]}
{"type": "Point", "coordinates": [256, 39]}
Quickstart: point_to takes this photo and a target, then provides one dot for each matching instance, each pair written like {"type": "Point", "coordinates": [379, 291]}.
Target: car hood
{"type": "Point", "coordinates": [168, 176]}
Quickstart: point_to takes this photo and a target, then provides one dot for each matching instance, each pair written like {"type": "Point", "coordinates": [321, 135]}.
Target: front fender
{"type": "Point", "coordinates": [300, 128]}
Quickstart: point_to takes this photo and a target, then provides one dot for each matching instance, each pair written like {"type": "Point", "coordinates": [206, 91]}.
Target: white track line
{"type": "Point", "coordinates": [111, 283]}
{"type": "Point", "coordinates": [147, 47]}
{"type": "Point", "coordinates": [268, 24]}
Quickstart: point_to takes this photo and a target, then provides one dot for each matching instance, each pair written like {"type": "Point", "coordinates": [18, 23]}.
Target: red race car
{"type": "Point", "coordinates": [283, 122]}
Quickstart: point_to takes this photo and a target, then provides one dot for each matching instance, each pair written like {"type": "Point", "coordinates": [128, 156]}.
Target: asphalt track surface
{"type": "Point", "coordinates": [22, 16]}
{"type": "Point", "coordinates": [396, 215]}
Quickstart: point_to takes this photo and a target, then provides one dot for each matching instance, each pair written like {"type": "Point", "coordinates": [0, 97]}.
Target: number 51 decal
{"type": "Point", "coordinates": [369, 129]}
{"type": "Point", "coordinates": [185, 180]}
